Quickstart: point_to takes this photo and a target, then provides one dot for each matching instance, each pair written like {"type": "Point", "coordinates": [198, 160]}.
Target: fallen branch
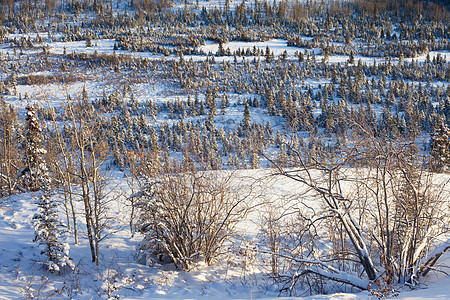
{"type": "Point", "coordinates": [433, 258]}
{"type": "Point", "coordinates": [337, 276]}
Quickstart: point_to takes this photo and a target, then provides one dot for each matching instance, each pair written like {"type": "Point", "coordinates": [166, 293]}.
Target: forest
{"type": "Point", "coordinates": [301, 146]}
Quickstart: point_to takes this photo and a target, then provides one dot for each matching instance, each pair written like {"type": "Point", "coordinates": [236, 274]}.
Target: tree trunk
{"type": "Point", "coordinates": [74, 215]}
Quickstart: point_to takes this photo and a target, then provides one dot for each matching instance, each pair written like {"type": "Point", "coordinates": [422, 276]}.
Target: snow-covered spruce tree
{"type": "Point", "coordinates": [49, 231]}
{"type": "Point", "coordinates": [440, 147]}
{"type": "Point", "coordinates": [35, 175]}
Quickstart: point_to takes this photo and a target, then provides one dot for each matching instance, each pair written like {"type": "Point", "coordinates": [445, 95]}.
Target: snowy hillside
{"type": "Point", "coordinates": [236, 274]}
{"type": "Point", "coordinates": [226, 149]}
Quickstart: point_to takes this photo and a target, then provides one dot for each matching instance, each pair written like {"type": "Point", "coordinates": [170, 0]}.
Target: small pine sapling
{"type": "Point", "coordinates": [49, 231]}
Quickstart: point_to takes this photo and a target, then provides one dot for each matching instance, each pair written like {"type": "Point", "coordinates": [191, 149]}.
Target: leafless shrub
{"type": "Point", "coordinates": [187, 215]}
{"type": "Point", "coordinates": [32, 286]}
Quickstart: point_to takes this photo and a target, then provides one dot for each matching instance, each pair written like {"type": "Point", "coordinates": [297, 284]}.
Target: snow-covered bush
{"type": "Point", "coordinates": [49, 231]}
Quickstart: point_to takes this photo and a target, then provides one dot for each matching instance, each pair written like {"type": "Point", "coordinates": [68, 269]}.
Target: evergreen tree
{"type": "Point", "coordinates": [48, 228]}
{"type": "Point", "coordinates": [35, 174]}
{"type": "Point", "coordinates": [49, 231]}
{"type": "Point", "coordinates": [254, 160]}
{"type": "Point", "coordinates": [440, 147]}
{"type": "Point", "coordinates": [246, 123]}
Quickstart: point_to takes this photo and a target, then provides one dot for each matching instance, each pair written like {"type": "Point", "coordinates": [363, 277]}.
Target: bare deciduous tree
{"type": "Point", "coordinates": [90, 149]}
{"type": "Point", "coordinates": [9, 152]}
{"type": "Point", "coordinates": [387, 211]}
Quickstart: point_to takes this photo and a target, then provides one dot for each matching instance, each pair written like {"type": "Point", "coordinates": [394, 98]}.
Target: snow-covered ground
{"type": "Point", "coordinates": [120, 274]}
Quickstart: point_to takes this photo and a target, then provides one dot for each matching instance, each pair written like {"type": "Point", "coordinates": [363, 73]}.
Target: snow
{"type": "Point", "coordinates": [433, 54]}
{"type": "Point", "coordinates": [120, 274]}
{"type": "Point", "coordinates": [104, 46]}
{"type": "Point", "coordinates": [277, 46]}
{"type": "Point", "coordinates": [119, 270]}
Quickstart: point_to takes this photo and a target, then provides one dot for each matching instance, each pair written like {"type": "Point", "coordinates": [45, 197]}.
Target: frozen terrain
{"type": "Point", "coordinates": [121, 275]}
{"type": "Point", "coordinates": [225, 88]}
